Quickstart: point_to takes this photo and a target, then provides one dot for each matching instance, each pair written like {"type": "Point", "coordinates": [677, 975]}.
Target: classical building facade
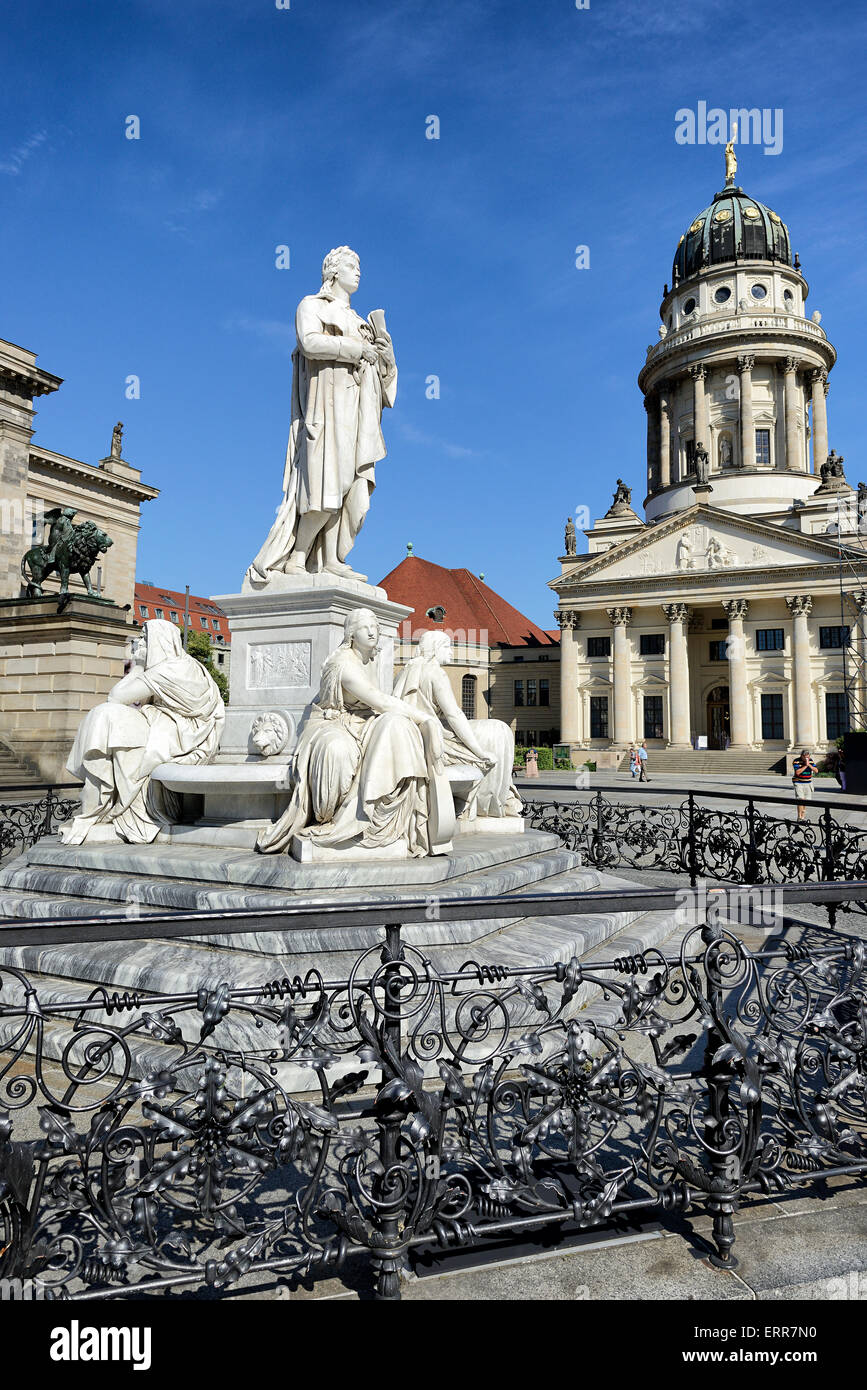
{"type": "Point", "coordinates": [715, 620]}
{"type": "Point", "coordinates": [504, 667]}
{"type": "Point", "coordinates": [201, 615]}
{"type": "Point", "coordinates": [58, 659]}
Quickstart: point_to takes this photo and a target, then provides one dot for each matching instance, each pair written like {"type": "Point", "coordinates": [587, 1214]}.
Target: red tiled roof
{"type": "Point", "coordinates": [470, 605]}
{"type": "Point", "coordinates": [152, 596]}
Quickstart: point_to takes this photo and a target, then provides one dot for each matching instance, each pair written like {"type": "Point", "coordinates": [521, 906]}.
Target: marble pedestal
{"type": "Point", "coordinates": [281, 635]}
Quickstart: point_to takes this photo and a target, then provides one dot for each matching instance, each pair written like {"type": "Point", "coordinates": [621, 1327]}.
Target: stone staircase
{"type": "Point", "coordinates": [14, 771]}
{"type": "Point", "coordinates": [719, 762]}
{"type": "Point", "coordinates": [52, 881]}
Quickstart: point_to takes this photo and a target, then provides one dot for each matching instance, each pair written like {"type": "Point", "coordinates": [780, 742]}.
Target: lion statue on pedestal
{"type": "Point", "coordinates": [73, 548]}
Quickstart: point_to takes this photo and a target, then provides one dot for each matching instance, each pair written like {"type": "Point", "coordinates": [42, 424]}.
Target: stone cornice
{"type": "Point", "coordinates": [696, 515]}
{"type": "Point", "coordinates": [57, 463]}
{"type": "Point", "coordinates": [689, 582]}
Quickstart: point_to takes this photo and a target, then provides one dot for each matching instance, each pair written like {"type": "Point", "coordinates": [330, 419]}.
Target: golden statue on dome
{"type": "Point", "coordinates": [731, 158]}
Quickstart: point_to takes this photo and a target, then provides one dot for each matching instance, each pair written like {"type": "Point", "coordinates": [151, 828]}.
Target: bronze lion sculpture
{"type": "Point", "coordinates": [76, 553]}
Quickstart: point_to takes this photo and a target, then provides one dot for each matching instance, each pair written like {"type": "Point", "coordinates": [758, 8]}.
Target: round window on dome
{"type": "Point", "coordinates": [689, 306]}
{"type": "Point", "coordinates": [722, 294]}
{"type": "Point", "coordinates": [752, 213]}
{"type": "Point", "coordinates": [788, 296]}
{"type": "Point", "coordinates": [758, 291]}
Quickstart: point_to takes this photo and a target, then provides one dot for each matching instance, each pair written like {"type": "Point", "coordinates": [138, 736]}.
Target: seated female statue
{"type": "Point", "coordinates": [364, 760]}
{"type": "Point", "coordinates": [168, 710]}
{"type": "Point", "coordinates": [485, 743]}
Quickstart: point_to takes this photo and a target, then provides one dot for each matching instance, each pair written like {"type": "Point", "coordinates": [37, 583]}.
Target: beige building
{"type": "Point", "coordinates": [715, 621]}
{"type": "Point", "coordinates": [504, 667]}
{"type": "Point", "coordinates": [57, 660]}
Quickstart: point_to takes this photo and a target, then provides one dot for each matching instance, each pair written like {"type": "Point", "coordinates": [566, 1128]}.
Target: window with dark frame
{"type": "Point", "coordinates": [544, 692]}
{"type": "Point", "coordinates": [651, 644]}
{"type": "Point", "coordinates": [836, 714]}
{"type": "Point", "coordinates": [598, 646]}
{"type": "Point", "coordinates": [831, 637]}
{"type": "Point", "coordinates": [531, 692]}
{"type": "Point", "coordinates": [468, 696]}
{"type": "Point", "coordinates": [717, 650]}
{"type": "Point", "coordinates": [598, 716]}
{"type": "Point", "coordinates": [770, 639]}
{"type": "Point", "coordinates": [519, 693]}
{"type": "Point", "coordinates": [772, 716]}
{"type": "Point", "coordinates": [763, 448]}
{"type": "Point", "coordinates": [653, 716]}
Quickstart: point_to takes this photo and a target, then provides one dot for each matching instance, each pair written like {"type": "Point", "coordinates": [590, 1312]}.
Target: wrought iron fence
{"type": "Point", "coordinates": [41, 812]}
{"type": "Point", "coordinates": [736, 843]}
{"type": "Point", "coordinates": [401, 1109]}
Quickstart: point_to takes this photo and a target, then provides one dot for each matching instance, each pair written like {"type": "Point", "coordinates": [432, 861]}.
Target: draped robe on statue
{"type": "Point", "coordinates": [494, 795]}
{"type": "Point", "coordinates": [117, 746]}
{"type": "Point", "coordinates": [335, 437]}
{"type": "Point", "coordinates": [360, 778]}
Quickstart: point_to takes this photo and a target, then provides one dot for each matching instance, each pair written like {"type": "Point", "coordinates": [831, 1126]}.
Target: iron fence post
{"type": "Point", "coordinates": [46, 824]}
{"type": "Point", "coordinates": [725, 1168]}
{"type": "Point", "coordinates": [828, 870]}
{"type": "Point", "coordinates": [388, 1253]}
{"type": "Point", "coordinates": [597, 830]}
{"type": "Point", "coordinates": [751, 867]}
{"type": "Point", "coordinates": [692, 860]}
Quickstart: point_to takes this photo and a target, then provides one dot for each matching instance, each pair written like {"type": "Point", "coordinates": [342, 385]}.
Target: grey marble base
{"type": "Point", "coordinates": [145, 878]}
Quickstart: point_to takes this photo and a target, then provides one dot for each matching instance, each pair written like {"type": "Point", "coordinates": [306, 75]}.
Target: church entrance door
{"type": "Point", "coordinates": [718, 717]}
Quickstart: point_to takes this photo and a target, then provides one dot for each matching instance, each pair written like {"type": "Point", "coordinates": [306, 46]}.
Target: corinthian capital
{"type": "Point", "coordinates": [567, 619]}
{"type": "Point", "coordinates": [746, 363]}
{"type": "Point", "coordinates": [619, 617]}
{"type": "Point", "coordinates": [699, 372]}
{"type": "Point", "coordinates": [736, 608]}
{"type": "Point", "coordinates": [819, 374]}
{"type": "Point", "coordinates": [676, 612]}
{"type": "Point", "coordinates": [791, 364]}
{"type": "Point", "coordinates": [799, 604]}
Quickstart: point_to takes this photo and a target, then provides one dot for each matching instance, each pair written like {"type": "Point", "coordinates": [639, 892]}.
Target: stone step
{"type": "Point", "coordinates": [171, 967]}
{"type": "Point", "coordinates": [710, 760]}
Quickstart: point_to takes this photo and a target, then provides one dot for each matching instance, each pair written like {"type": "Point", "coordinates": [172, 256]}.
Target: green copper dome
{"type": "Point", "coordinates": [733, 228]}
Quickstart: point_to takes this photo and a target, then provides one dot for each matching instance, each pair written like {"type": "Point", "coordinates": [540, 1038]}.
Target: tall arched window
{"type": "Point", "coordinates": [468, 696]}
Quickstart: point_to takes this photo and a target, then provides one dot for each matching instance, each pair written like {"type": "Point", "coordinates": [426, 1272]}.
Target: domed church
{"type": "Point", "coordinates": [715, 623]}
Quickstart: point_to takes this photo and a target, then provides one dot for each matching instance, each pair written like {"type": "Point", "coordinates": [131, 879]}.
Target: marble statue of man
{"type": "Point", "coordinates": [167, 709]}
{"type": "Point", "coordinates": [571, 543]}
{"type": "Point", "coordinates": [343, 376]}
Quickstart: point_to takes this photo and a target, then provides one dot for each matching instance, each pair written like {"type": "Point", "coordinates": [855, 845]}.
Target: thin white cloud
{"type": "Point", "coordinates": [17, 158]}
{"type": "Point", "coordinates": [412, 435]}
{"type": "Point", "coordinates": [268, 330]}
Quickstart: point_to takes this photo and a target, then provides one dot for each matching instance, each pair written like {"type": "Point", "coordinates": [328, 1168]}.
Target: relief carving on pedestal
{"type": "Point", "coordinates": [278, 664]}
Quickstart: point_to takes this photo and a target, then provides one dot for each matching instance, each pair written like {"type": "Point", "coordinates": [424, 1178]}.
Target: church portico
{"type": "Point", "coordinates": [717, 620]}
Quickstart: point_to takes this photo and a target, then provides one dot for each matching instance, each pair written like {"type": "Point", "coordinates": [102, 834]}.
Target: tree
{"type": "Point", "coordinates": [199, 647]}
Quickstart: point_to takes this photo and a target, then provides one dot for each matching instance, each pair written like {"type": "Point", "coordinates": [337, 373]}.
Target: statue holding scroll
{"type": "Point", "coordinates": [343, 376]}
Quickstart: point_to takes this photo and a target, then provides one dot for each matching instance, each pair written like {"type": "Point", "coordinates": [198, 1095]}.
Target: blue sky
{"type": "Point", "coordinates": [306, 127]}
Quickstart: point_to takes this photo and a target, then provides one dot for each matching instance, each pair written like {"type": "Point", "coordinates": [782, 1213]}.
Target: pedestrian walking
{"type": "Point", "coordinates": [642, 763]}
{"type": "Point", "coordinates": [634, 764]}
{"type": "Point", "coordinates": [802, 780]}
{"type": "Point", "coordinates": [531, 768]}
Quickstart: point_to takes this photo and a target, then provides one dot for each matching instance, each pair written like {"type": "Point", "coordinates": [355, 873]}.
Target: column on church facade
{"type": "Point", "coordinates": [804, 733]}
{"type": "Point", "coordinates": [678, 674]}
{"type": "Point", "coordinates": [858, 663]}
{"type": "Point", "coordinates": [699, 406]}
{"type": "Point", "coordinates": [622, 730]}
{"type": "Point", "coordinates": [819, 385]}
{"type": "Point", "coordinates": [736, 610]}
{"type": "Point", "coordinates": [795, 455]}
{"type": "Point", "coordinates": [570, 700]}
{"type": "Point", "coordinates": [748, 431]}
{"type": "Point", "coordinates": [652, 442]}
{"type": "Point", "coordinates": [664, 469]}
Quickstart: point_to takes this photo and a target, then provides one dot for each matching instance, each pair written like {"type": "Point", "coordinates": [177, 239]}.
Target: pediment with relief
{"type": "Point", "coordinates": [698, 543]}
